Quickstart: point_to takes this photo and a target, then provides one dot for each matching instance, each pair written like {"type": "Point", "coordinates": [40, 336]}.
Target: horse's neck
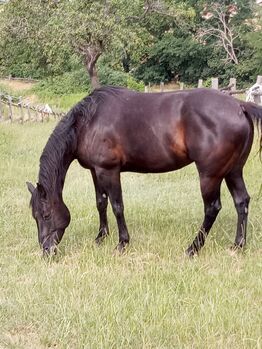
{"type": "Point", "coordinates": [55, 161]}
{"type": "Point", "coordinates": [52, 176]}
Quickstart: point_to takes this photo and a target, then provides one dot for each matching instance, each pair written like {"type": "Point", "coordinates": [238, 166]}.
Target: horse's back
{"type": "Point", "coordinates": [158, 132]}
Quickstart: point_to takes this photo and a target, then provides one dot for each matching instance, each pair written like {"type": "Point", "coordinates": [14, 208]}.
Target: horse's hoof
{"type": "Point", "coordinates": [100, 238]}
{"type": "Point", "coordinates": [191, 252]}
{"type": "Point", "coordinates": [120, 248]}
{"type": "Point", "coordinates": [236, 247]}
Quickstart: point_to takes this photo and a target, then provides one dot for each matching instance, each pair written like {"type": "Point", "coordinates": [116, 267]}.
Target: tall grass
{"type": "Point", "coordinates": [153, 296]}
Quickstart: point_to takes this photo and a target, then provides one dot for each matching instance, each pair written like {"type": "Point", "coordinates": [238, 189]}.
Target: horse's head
{"type": "Point", "coordinates": [51, 216]}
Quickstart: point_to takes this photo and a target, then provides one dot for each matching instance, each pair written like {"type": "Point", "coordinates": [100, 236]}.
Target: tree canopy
{"type": "Point", "coordinates": [148, 40]}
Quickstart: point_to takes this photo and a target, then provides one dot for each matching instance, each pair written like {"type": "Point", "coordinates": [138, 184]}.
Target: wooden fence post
{"type": "Point", "coordinates": [161, 86]}
{"type": "Point", "coordinates": [258, 98]}
{"type": "Point", "coordinates": [21, 109]}
{"type": "Point", "coordinates": [214, 83]}
{"type": "Point", "coordinates": [10, 108]}
{"type": "Point", "coordinates": [200, 83]}
{"type": "Point", "coordinates": [259, 79]}
{"type": "Point", "coordinates": [28, 111]}
{"type": "Point", "coordinates": [233, 83]}
{"type": "Point", "coordinates": [181, 86]}
{"type": "Point", "coordinates": [146, 89]}
{"type": "Point", "coordinates": [1, 114]}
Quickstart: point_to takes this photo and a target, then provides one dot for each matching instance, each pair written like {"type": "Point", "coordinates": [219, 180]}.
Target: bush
{"type": "Point", "coordinates": [78, 82]}
{"type": "Point", "coordinates": [71, 82]}
{"type": "Point", "coordinates": [109, 76]}
{"type": "Point", "coordinates": [134, 85]}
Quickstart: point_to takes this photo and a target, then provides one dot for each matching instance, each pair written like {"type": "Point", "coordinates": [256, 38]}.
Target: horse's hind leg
{"type": "Point", "coordinates": [237, 188]}
{"type": "Point", "coordinates": [210, 189]}
{"type": "Point", "coordinates": [101, 204]}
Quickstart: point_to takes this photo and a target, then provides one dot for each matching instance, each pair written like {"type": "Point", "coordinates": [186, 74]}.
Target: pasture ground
{"type": "Point", "coordinates": [153, 296]}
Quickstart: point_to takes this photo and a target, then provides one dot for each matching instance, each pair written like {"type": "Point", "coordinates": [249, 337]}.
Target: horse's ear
{"type": "Point", "coordinates": [30, 187]}
{"type": "Point", "coordinates": [41, 191]}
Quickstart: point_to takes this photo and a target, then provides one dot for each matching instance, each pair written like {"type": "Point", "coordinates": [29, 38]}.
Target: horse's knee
{"type": "Point", "coordinates": [242, 205]}
{"type": "Point", "coordinates": [213, 209]}
{"type": "Point", "coordinates": [101, 203]}
{"type": "Point", "coordinates": [118, 209]}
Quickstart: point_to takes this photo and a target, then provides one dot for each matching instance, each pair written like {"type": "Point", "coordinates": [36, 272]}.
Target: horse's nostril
{"type": "Point", "coordinates": [46, 251]}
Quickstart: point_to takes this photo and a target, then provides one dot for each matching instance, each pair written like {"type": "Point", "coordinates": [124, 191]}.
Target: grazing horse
{"type": "Point", "coordinates": [115, 130]}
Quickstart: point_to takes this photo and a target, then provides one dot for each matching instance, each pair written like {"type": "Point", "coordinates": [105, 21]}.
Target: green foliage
{"type": "Point", "coordinates": [77, 82]}
{"type": "Point", "coordinates": [172, 56]}
{"type": "Point", "coordinates": [157, 42]}
{"type": "Point", "coordinates": [135, 85]}
{"type": "Point", "coordinates": [70, 82]}
{"type": "Point", "coordinates": [109, 76]}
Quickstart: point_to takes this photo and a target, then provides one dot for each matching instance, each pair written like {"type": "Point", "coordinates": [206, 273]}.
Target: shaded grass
{"type": "Point", "coordinates": [152, 297]}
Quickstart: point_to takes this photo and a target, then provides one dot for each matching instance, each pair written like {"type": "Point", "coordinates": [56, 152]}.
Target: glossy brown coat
{"type": "Point", "coordinates": [115, 130]}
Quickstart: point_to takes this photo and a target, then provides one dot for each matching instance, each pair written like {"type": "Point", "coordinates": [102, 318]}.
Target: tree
{"type": "Point", "coordinates": [96, 27]}
{"type": "Point", "coordinates": [90, 28]}
{"type": "Point", "coordinates": [222, 23]}
{"type": "Point", "coordinates": [25, 40]}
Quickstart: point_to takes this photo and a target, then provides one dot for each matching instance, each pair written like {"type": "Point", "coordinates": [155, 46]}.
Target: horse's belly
{"type": "Point", "coordinates": [155, 163]}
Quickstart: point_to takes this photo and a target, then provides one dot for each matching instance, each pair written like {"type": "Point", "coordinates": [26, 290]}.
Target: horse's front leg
{"type": "Point", "coordinates": [101, 204]}
{"type": "Point", "coordinates": [109, 180]}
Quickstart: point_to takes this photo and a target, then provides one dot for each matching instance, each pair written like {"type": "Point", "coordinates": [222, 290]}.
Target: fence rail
{"type": "Point", "coordinates": [16, 109]}
{"type": "Point", "coordinates": [253, 94]}
{"type": "Point", "coordinates": [11, 78]}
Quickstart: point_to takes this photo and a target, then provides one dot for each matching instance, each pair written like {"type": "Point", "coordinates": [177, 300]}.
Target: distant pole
{"type": "Point", "coordinates": [181, 86]}
{"type": "Point", "coordinates": [214, 83]}
{"type": "Point", "coordinates": [146, 89]}
{"type": "Point", "coordinates": [161, 86]}
{"type": "Point", "coordinates": [200, 83]}
{"type": "Point", "coordinates": [233, 83]}
{"type": "Point", "coordinates": [149, 87]}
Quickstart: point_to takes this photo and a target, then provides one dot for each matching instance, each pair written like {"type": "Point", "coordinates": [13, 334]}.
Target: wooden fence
{"type": "Point", "coordinates": [11, 78]}
{"type": "Point", "coordinates": [231, 88]}
{"type": "Point", "coordinates": [15, 109]}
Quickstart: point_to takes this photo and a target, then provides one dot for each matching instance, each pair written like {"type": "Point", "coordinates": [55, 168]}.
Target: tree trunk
{"type": "Point", "coordinates": [91, 55]}
{"type": "Point", "coordinates": [93, 76]}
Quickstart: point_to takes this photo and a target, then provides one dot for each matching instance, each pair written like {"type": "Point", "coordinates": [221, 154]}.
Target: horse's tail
{"type": "Point", "coordinates": [254, 112]}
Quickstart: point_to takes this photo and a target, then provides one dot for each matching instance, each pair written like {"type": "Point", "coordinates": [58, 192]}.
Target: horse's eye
{"type": "Point", "coordinates": [47, 217]}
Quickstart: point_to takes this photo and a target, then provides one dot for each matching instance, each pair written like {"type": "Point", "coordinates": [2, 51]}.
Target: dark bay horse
{"type": "Point", "coordinates": [115, 130]}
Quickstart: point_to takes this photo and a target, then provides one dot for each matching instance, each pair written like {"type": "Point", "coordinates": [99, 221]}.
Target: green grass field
{"type": "Point", "coordinates": [153, 296]}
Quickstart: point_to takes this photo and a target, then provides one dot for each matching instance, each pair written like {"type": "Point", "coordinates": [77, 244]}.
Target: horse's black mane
{"type": "Point", "coordinates": [62, 141]}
